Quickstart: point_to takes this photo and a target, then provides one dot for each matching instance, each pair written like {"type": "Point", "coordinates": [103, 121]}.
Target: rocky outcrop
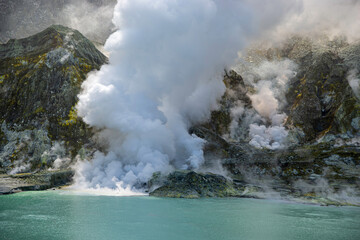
{"type": "Point", "coordinates": [322, 101]}
{"type": "Point", "coordinates": [40, 78]}
{"type": "Point", "coordinates": [34, 181]}
{"type": "Point", "coordinates": [189, 184]}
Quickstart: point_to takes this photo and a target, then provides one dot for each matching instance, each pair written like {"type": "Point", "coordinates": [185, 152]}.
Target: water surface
{"type": "Point", "coordinates": [60, 215]}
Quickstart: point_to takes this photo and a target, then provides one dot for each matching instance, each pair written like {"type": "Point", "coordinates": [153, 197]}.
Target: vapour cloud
{"type": "Point", "coordinates": [272, 134]}
{"type": "Point", "coordinates": [268, 83]}
{"type": "Point", "coordinates": [165, 72]}
{"type": "Point", "coordinates": [354, 82]}
{"type": "Point", "coordinates": [323, 17]}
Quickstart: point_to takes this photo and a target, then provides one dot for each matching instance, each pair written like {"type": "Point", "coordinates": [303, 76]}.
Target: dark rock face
{"type": "Point", "coordinates": [40, 78]}
{"type": "Point", "coordinates": [320, 97]}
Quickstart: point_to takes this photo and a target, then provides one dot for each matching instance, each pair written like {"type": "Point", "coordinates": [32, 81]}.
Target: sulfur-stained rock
{"type": "Point", "coordinates": [40, 77]}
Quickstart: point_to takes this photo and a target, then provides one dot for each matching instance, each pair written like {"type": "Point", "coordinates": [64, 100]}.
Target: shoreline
{"type": "Point", "coordinates": [283, 200]}
{"type": "Point", "coordinates": [61, 181]}
{"type": "Point", "coordinates": [38, 181]}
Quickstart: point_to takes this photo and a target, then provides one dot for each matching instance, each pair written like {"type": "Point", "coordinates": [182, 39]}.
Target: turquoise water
{"type": "Point", "coordinates": [60, 215]}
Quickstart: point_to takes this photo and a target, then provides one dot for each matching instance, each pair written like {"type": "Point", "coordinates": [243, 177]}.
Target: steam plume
{"type": "Point", "coordinates": [164, 75]}
{"type": "Point", "coordinates": [268, 100]}
{"type": "Point", "coordinates": [323, 17]}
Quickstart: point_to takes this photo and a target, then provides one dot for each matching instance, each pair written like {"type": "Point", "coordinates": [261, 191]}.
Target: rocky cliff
{"type": "Point", "coordinates": [320, 160]}
{"type": "Point", "coordinates": [40, 78]}
{"type": "Point", "coordinates": [310, 148]}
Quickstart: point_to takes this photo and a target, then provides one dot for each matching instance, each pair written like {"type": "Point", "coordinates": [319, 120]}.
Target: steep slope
{"type": "Point", "coordinates": [320, 161]}
{"type": "Point", "coordinates": [40, 78]}
{"type": "Point", "coordinates": [322, 100]}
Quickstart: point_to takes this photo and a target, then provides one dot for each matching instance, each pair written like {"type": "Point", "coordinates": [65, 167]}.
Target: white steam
{"type": "Point", "coordinates": [323, 17]}
{"type": "Point", "coordinates": [322, 188]}
{"type": "Point", "coordinates": [20, 168]}
{"type": "Point", "coordinates": [164, 75]}
{"type": "Point", "coordinates": [58, 153]}
{"type": "Point", "coordinates": [354, 82]}
{"type": "Point", "coordinates": [236, 113]}
{"type": "Point", "coordinates": [91, 19]}
{"type": "Point", "coordinates": [269, 83]}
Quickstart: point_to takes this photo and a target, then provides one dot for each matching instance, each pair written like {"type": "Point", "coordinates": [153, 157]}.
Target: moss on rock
{"type": "Point", "coordinates": [41, 77]}
{"type": "Point", "coordinates": [189, 184]}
